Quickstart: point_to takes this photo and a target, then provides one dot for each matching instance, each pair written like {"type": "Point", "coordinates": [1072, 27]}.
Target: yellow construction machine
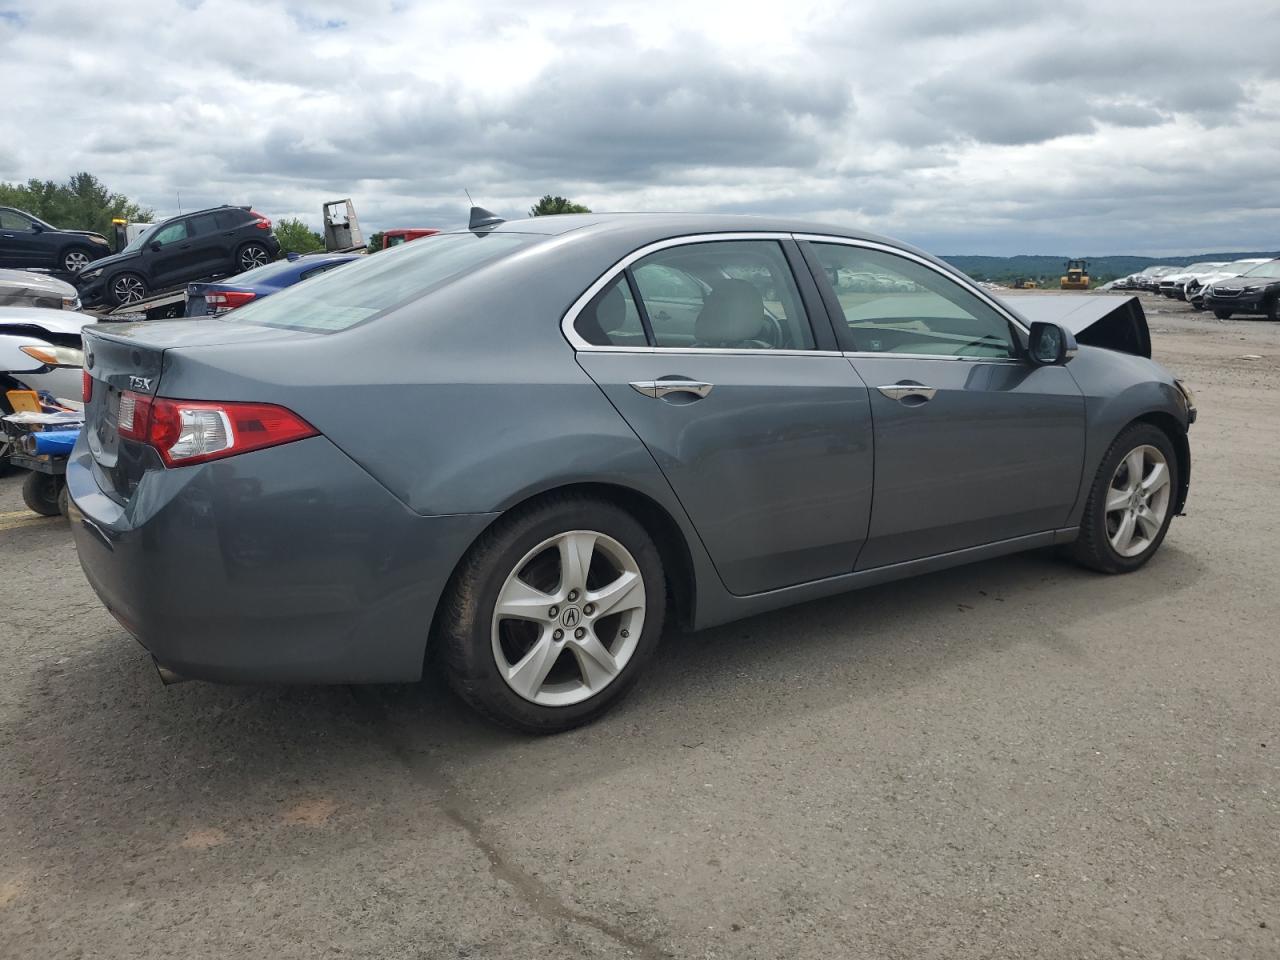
{"type": "Point", "coordinates": [1077, 277]}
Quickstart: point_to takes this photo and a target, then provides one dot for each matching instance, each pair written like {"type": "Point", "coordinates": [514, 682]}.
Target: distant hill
{"type": "Point", "coordinates": [1101, 269]}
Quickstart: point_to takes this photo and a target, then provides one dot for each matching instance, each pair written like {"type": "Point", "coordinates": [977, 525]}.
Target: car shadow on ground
{"type": "Point", "coordinates": [98, 747]}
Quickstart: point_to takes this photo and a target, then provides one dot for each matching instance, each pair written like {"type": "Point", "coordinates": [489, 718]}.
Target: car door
{"type": "Point", "coordinates": [169, 256]}
{"type": "Point", "coordinates": [973, 444]}
{"type": "Point", "coordinates": [19, 241]}
{"type": "Point", "coordinates": [209, 251]}
{"type": "Point", "coordinates": [764, 437]}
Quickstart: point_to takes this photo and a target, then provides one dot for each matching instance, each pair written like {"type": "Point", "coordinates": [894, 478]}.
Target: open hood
{"type": "Point", "coordinates": [1113, 322]}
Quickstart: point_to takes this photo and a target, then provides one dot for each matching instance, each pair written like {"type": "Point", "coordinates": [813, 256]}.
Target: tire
{"type": "Point", "coordinates": [75, 259]}
{"type": "Point", "coordinates": [1101, 545]}
{"type": "Point", "coordinates": [1222, 314]}
{"type": "Point", "coordinates": [252, 255]}
{"type": "Point", "coordinates": [40, 493]}
{"type": "Point", "coordinates": [522, 556]}
{"type": "Point", "coordinates": [126, 288]}
{"type": "Point", "coordinates": [64, 498]}
{"type": "Point", "coordinates": [1272, 309]}
{"type": "Point", "coordinates": [1197, 305]}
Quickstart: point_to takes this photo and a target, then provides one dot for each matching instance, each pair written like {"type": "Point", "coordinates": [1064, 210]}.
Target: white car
{"type": "Point", "coordinates": [1174, 284]}
{"type": "Point", "coordinates": [22, 288]}
{"type": "Point", "coordinates": [41, 350]}
{"type": "Point", "coordinates": [1194, 289]}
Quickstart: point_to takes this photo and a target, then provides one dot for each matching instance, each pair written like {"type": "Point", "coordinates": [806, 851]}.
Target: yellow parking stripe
{"type": "Point", "coordinates": [24, 518]}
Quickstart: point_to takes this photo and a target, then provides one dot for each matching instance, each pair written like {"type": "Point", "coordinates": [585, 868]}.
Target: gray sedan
{"type": "Point", "coordinates": [527, 445]}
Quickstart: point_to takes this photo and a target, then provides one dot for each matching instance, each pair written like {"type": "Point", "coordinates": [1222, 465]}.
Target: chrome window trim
{"type": "Point", "coordinates": [606, 278]}
{"type": "Point", "coordinates": [710, 351]}
{"type": "Point", "coordinates": [946, 357]}
{"type": "Point", "coordinates": [963, 283]}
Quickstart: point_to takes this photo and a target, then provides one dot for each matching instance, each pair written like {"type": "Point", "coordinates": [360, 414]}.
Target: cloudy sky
{"type": "Point", "coordinates": [1005, 127]}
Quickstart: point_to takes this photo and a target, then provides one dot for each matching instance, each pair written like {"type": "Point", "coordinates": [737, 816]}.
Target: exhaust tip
{"type": "Point", "coordinates": [167, 676]}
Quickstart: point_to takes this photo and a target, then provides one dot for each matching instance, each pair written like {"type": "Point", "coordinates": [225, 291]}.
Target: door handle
{"type": "Point", "coordinates": [905, 391]}
{"type": "Point", "coordinates": [659, 389]}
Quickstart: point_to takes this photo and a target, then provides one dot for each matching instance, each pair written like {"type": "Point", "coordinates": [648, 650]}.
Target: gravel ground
{"type": "Point", "coordinates": [1018, 758]}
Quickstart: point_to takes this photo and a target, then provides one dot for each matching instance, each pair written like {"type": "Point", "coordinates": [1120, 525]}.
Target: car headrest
{"type": "Point", "coordinates": [733, 312]}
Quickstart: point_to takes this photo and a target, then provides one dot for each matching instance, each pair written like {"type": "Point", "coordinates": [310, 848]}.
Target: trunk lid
{"type": "Point", "coordinates": [131, 358]}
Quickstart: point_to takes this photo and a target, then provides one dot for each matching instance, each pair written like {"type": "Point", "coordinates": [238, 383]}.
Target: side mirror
{"type": "Point", "coordinates": [1050, 345]}
{"type": "Point", "coordinates": [155, 246]}
{"type": "Point", "coordinates": [36, 228]}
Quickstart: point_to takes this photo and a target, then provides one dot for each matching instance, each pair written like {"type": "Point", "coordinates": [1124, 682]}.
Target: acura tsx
{"type": "Point", "coordinates": [527, 445]}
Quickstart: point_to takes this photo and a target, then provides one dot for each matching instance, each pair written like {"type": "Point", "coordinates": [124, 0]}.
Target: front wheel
{"type": "Point", "coordinates": [553, 614]}
{"type": "Point", "coordinates": [1222, 314]}
{"type": "Point", "coordinates": [127, 288]}
{"type": "Point", "coordinates": [1131, 502]}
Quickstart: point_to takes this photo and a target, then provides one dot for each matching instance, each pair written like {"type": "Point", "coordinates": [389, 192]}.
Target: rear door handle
{"type": "Point", "coordinates": [906, 391]}
{"type": "Point", "coordinates": [663, 388]}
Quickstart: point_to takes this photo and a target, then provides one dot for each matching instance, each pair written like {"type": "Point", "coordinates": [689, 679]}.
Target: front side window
{"type": "Point", "coordinates": [12, 220]}
{"type": "Point", "coordinates": [173, 233]}
{"type": "Point", "coordinates": [895, 305]}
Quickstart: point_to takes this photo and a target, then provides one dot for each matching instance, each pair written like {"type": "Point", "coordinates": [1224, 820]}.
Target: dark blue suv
{"type": "Point", "coordinates": [204, 245]}
{"type": "Point", "coordinates": [26, 241]}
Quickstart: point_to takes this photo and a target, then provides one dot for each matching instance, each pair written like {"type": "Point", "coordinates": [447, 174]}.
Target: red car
{"type": "Point", "coordinates": [393, 238]}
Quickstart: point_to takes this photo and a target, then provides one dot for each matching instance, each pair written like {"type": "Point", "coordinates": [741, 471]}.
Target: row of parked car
{"type": "Point", "coordinates": [1250, 286]}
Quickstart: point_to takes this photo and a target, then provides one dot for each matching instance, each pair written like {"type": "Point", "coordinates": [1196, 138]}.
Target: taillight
{"type": "Point", "coordinates": [185, 432]}
{"type": "Point", "coordinates": [264, 223]}
{"type": "Point", "coordinates": [86, 386]}
{"type": "Point", "coordinates": [228, 299]}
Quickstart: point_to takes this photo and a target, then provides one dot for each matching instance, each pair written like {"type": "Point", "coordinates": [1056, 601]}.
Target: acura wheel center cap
{"type": "Point", "coordinates": [571, 617]}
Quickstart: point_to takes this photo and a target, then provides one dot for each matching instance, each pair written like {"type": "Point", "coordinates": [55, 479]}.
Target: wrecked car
{"type": "Point", "coordinates": [20, 288]}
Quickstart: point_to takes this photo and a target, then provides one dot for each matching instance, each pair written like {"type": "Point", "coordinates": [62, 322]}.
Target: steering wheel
{"type": "Point", "coordinates": [778, 338]}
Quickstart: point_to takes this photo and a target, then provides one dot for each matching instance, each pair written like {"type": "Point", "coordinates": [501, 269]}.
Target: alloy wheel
{"type": "Point", "coordinates": [253, 256]}
{"type": "Point", "coordinates": [128, 290]}
{"type": "Point", "coordinates": [568, 618]}
{"type": "Point", "coordinates": [1138, 500]}
{"type": "Point", "coordinates": [75, 261]}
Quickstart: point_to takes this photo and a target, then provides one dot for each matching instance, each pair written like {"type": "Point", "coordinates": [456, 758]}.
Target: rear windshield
{"type": "Point", "coordinates": [342, 298]}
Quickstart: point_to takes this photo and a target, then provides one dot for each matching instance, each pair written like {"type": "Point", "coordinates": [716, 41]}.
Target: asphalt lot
{"type": "Point", "coordinates": [1014, 759]}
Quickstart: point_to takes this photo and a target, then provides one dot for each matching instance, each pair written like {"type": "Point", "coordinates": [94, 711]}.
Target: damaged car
{"type": "Point", "coordinates": [21, 288]}
{"type": "Point", "coordinates": [519, 451]}
{"type": "Point", "coordinates": [1257, 291]}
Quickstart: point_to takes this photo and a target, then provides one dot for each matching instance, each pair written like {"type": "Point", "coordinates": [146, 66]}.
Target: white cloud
{"type": "Point", "coordinates": [980, 126]}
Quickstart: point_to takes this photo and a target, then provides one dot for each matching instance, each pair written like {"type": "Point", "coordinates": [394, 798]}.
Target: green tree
{"type": "Point", "coordinates": [296, 237]}
{"type": "Point", "coordinates": [375, 242]}
{"type": "Point", "coordinates": [549, 205]}
{"type": "Point", "coordinates": [82, 203]}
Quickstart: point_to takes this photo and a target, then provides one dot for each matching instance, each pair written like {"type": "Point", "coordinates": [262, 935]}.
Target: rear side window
{"type": "Point", "coordinates": [203, 225]}
{"type": "Point", "coordinates": [711, 295]}
{"type": "Point", "coordinates": [611, 318]}
{"type": "Point", "coordinates": [227, 219]}
{"type": "Point", "coordinates": [371, 285]}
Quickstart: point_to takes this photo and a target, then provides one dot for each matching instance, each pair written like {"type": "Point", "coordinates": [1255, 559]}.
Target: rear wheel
{"type": "Point", "coordinates": [1131, 502]}
{"type": "Point", "coordinates": [1222, 314]}
{"type": "Point", "coordinates": [553, 614]}
{"type": "Point", "coordinates": [76, 259]}
{"type": "Point", "coordinates": [127, 288]}
{"type": "Point", "coordinates": [252, 255]}
{"type": "Point", "coordinates": [40, 493]}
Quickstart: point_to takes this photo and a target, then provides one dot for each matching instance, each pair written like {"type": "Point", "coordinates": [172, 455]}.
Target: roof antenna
{"type": "Point", "coordinates": [480, 217]}
{"type": "Point", "coordinates": [468, 193]}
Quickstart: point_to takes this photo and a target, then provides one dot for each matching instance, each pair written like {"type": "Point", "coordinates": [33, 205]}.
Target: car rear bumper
{"type": "Point", "coordinates": [289, 564]}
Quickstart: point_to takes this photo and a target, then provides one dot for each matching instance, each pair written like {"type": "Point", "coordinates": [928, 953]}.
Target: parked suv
{"type": "Point", "coordinates": [26, 241]}
{"type": "Point", "coordinates": [203, 245]}
{"type": "Point", "coordinates": [1257, 291]}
